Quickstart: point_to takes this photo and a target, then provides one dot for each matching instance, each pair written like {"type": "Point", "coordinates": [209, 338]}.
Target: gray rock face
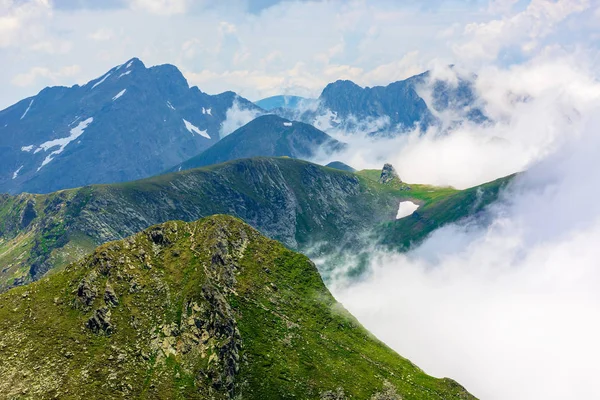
{"type": "Point", "coordinates": [130, 123]}
{"type": "Point", "coordinates": [388, 174]}
{"type": "Point", "coordinates": [86, 292]}
{"type": "Point", "coordinates": [28, 214]}
{"type": "Point", "coordinates": [99, 322]}
{"type": "Point", "coordinates": [110, 297]}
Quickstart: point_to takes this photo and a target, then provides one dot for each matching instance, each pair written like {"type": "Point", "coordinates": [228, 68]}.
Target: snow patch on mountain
{"type": "Point", "coordinates": [124, 73]}
{"type": "Point", "coordinates": [129, 65]}
{"type": "Point", "coordinates": [170, 105]}
{"type": "Point", "coordinates": [287, 124]}
{"type": "Point", "coordinates": [16, 173]}
{"type": "Point", "coordinates": [406, 208]}
{"type": "Point", "coordinates": [121, 93]}
{"type": "Point", "coordinates": [27, 149]}
{"type": "Point", "coordinates": [194, 129]}
{"type": "Point", "coordinates": [28, 108]}
{"type": "Point", "coordinates": [75, 120]}
{"type": "Point", "coordinates": [62, 142]}
{"type": "Point", "coordinates": [102, 80]}
{"type": "Point", "coordinates": [206, 111]}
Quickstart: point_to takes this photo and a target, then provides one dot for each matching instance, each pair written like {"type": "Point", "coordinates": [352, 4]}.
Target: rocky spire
{"type": "Point", "coordinates": [388, 174]}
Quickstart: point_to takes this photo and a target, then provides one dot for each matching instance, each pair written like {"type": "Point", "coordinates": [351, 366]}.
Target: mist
{"type": "Point", "coordinates": [511, 310]}
{"type": "Point", "coordinates": [532, 107]}
{"type": "Point", "coordinates": [236, 117]}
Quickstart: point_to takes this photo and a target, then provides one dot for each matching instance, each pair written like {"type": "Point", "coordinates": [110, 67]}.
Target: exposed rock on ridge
{"type": "Point", "coordinates": [389, 174]}
{"type": "Point", "coordinates": [203, 310]}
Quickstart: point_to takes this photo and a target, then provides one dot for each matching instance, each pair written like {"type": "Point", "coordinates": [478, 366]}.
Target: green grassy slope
{"type": "Point", "coordinates": [309, 208]}
{"type": "Point", "coordinates": [209, 309]}
{"type": "Point", "coordinates": [437, 207]}
{"type": "Point", "coordinates": [290, 200]}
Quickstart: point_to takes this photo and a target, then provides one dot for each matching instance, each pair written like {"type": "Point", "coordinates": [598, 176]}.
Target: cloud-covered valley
{"type": "Point", "coordinates": [510, 307]}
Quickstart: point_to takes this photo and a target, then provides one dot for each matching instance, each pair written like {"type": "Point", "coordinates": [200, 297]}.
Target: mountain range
{"type": "Point", "coordinates": [130, 123]}
{"type": "Point", "coordinates": [417, 102]}
{"type": "Point", "coordinates": [310, 208]}
{"type": "Point", "coordinates": [134, 122]}
{"type": "Point", "coordinates": [146, 252]}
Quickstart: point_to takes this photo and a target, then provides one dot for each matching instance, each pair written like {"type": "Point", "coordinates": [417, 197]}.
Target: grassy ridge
{"type": "Point", "coordinates": [209, 309]}
{"type": "Point", "coordinates": [303, 205]}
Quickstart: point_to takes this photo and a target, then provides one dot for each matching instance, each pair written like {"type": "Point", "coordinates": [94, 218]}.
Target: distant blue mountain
{"type": "Point", "coordinates": [266, 136]}
{"type": "Point", "coordinates": [282, 101]}
{"type": "Point", "coordinates": [130, 123]}
{"type": "Point", "coordinates": [391, 109]}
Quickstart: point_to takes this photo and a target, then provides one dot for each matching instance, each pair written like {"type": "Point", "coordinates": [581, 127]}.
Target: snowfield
{"type": "Point", "coordinates": [406, 208]}
{"type": "Point", "coordinates": [194, 129]}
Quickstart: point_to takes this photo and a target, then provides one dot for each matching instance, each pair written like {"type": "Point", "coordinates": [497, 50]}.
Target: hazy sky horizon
{"type": "Point", "coordinates": [260, 48]}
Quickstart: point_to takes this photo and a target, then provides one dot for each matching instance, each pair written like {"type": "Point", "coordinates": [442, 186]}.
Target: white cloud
{"type": "Point", "coordinates": [523, 29]}
{"type": "Point", "coordinates": [235, 118]}
{"type": "Point", "coordinates": [21, 21]}
{"type": "Point", "coordinates": [102, 34]}
{"type": "Point", "coordinates": [160, 7]}
{"type": "Point", "coordinates": [46, 75]}
{"type": "Point", "coordinates": [52, 46]}
{"type": "Point", "coordinates": [410, 64]}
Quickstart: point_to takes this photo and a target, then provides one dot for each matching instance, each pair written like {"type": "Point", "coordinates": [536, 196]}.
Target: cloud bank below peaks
{"type": "Point", "coordinates": [533, 109]}
{"type": "Point", "coordinates": [509, 309]}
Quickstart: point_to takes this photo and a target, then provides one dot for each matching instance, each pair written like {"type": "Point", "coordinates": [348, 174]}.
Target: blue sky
{"type": "Point", "coordinates": [263, 47]}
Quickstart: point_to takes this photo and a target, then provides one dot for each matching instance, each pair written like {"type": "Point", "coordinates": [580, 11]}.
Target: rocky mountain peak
{"type": "Point", "coordinates": [340, 86]}
{"type": "Point", "coordinates": [389, 174]}
{"type": "Point", "coordinates": [130, 122]}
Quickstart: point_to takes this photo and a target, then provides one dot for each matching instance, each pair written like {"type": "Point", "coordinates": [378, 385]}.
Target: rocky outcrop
{"type": "Point", "coordinates": [87, 291]}
{"type": "Point", "coordinates": [389, 174]}
{"type": "Point", "coordinates": [110, 297]}
{"type": "Point", "coordinates": [29, 214]}
{"type": "Point", "coordinates": [99, 322]}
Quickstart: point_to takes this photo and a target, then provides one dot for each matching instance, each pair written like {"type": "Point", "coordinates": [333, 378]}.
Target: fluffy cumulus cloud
{"type": "Point", "coordinates": [525, 30]}
{"type": "Point", "coordinates": [20, 21]}
{"type": "Point", "coordinates": [35, 73]}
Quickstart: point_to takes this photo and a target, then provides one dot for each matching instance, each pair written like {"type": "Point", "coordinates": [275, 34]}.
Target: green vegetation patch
{"type": "Point", "coordinates": [210, 309]}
